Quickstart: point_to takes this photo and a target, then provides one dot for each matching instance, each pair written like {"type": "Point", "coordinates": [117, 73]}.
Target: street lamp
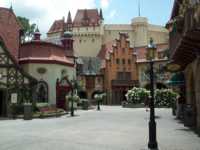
{"type": "Point", "coordinates": [73, 86]}
{"type": "Point", "coordinates": [150, 56]}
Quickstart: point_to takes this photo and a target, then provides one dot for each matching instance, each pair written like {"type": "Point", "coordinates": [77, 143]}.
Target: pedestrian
{"type": "Point", "coordinates": [180, 106]}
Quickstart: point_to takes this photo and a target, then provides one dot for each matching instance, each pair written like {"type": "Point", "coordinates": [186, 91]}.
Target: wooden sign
{"type": "Point", "coordinates": [14, 98]}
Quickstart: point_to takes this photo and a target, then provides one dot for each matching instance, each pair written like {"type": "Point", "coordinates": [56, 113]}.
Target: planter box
{"type": "Point", "coordinates": [133, 105]}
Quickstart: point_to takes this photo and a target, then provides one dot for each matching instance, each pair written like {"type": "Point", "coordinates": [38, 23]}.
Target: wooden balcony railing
{"type": "Point", "coordinates": [185, 27]}
{"type": "Point", "coordinates": [124, 82]}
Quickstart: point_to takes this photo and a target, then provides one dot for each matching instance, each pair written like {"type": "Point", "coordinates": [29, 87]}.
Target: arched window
{"type": "Point", "coordinates": [42, 92]}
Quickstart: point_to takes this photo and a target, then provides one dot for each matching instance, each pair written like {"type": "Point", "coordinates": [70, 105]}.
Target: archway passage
{"type": "Point", "coordinates": [82, 94]}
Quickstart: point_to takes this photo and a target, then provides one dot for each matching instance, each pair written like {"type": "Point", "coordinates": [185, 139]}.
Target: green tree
{"type": "Point", "coordinates": [28, 28]}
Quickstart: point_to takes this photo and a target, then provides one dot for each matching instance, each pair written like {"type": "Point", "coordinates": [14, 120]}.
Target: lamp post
{"type": "Point", "coordinates": [73, 85]}
{"type": "Point", "coordinates": [152, 144]}
{"type": "Point", "coordinates": [98, 105]}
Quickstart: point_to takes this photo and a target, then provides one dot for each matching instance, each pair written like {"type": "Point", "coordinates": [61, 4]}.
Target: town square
{"type": "Point", "coordinates": [100, 75]}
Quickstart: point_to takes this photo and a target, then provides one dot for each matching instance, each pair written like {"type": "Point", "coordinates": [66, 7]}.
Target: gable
{"type": "Point", "coordinates": [11, 74]}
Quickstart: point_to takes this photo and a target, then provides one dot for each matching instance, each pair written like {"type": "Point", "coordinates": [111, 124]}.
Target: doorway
{"type": "Point", "coordinates": [2, 104]}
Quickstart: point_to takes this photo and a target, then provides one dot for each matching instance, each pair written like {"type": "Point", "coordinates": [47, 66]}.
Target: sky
{"type": "Point", "coordinates": [44, 12]}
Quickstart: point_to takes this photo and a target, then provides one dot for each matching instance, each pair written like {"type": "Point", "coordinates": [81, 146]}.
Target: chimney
{"type": "Point", "coordinates": [37, 35]}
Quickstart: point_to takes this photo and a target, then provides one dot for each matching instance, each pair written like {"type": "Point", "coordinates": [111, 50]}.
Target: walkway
{"type": "Point", "coordinates": [113, 128]}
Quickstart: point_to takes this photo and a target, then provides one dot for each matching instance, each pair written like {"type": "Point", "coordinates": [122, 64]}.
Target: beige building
{"type": "Point", "coordinates": [90, 32]}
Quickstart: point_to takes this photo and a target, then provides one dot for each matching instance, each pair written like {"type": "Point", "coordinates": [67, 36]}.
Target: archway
{"type": "Point", "coordinates": [42, 92]}
{"type": "Point", "coordinates": [83, 94]}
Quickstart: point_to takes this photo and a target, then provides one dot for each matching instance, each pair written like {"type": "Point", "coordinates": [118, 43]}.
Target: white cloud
{"type": "Point", "coordinates": [105, 3]}
{"type": "Point", "coordinates": [44, 12]}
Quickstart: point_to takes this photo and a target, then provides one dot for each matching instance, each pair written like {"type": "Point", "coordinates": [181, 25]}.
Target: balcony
{"type": "Point", "coordinates": [184, 39]}
{"type": "Point", "coordinates": [124, 82]}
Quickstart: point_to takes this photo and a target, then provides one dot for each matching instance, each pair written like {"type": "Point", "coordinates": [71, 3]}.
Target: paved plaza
{"type": "Point", "coordinates": [112, 128]}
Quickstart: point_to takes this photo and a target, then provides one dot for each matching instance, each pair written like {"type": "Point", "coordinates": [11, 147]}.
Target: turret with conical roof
{"type": "Point", "coordinates": [69, 24]}
{"type": "Point", "coordinates": [101, 14]}
{"type": "Point", "coordinates": [37, 35]}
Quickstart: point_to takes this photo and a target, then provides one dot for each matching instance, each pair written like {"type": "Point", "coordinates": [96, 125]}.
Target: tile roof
{"type": "Point", "coordinates": [58, 25]}
{"type": "Point", "coordinates": [141, 51]}
{"type": "Point", "coordinates": [43, 51]}
{"type": "Point", "coordinates": [10, 31]}
{"type": "Point", "coordinates": [91, 14]}
{"type": "Point", "coordinates": [91, 65]}
{"type": "Point", "coordinates": [105, 49]}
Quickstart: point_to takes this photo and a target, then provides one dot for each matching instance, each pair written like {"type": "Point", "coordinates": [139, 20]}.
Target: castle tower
{"type": "Point", "coordinates": [140, 27]}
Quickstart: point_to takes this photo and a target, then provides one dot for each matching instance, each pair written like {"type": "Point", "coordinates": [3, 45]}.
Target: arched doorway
{"type": "Point", "coordinates": [42, 92]}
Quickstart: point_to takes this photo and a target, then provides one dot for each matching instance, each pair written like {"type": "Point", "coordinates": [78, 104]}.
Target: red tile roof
{"type": "Point", "coordinates": [91, 14]}
{"type": "Point", "coordinates": [58, 25]}
{"type": "Point", "coordinates": [105, 49]}
{"type": "Point", "coordinates": [9, 31]}
{"type": "Point", "coordinates": [141, 51]}
{"type": "Point", "coordinates": [40, 51]}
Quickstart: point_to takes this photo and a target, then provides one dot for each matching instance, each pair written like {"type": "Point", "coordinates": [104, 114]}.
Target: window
{"type": "Point", "coordinates": [93, 40]}
{"type": "Point", "coordinates": [124, 75]}
{"type": "Point", "coordinates": [80, 41]}
{"type": "Point", "coordinates": [129, 61]}
{"type": "Point", "coordinates": [117, 61]}
{"type": "Point", "coordinates": [123, 61]}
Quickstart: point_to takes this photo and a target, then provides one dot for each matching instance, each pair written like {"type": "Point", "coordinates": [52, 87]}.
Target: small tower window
{"type": "Point", "coordinates": [117, 61]}
{"type": "Point", "coordinates": [93, 40]}
{"type": "Point", "coordinates": [123, 61]}
{"type": "Point", "coordinates": [129, 61]}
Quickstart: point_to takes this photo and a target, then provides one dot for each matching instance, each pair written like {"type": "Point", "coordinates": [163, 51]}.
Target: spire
{"type": "Point", "coordinates": [101, 14]}
{"type": "Point", "coordinates": [11, 7]}
{"type": "Point", "coordinates": [69, 25]}
{"type": "Point", "coordinates": [139, 8]}
{"type": "Point", "coordinates": [37, 35]}
{"type": "Point", "coordinates": [69, 18]}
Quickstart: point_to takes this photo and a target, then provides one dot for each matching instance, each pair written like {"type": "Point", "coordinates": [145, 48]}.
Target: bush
{"type": "Point", "coordinates": [165, 98]}
{"type": "Point", "coordinates": [137, 95]}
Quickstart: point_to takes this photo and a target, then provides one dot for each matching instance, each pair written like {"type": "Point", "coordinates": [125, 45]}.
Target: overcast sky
{"type": "Point", "coordinates": [44, 12]}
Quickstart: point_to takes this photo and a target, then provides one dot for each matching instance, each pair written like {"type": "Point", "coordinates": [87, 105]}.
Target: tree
{"type": "Point", "coordinates": [28, 28]}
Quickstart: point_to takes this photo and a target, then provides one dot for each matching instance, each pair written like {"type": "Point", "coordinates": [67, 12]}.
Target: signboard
{"type": "Point", "coordinates": [14, 98]}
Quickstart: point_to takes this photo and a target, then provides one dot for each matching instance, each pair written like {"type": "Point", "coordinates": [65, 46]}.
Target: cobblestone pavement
{"type": "Point", "coordinates": [112, 128]}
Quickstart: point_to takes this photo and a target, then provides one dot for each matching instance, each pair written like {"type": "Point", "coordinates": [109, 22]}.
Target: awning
{"type": "Point", "coordinates": [177, 79]}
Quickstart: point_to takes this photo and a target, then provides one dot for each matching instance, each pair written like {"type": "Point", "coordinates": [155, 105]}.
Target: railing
{"type": "Point", "coordinates": [184, 26]}
{"type": "Point", "coordinates": [125, 82]}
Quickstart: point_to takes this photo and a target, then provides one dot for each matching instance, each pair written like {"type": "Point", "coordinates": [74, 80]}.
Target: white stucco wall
{"type": "Point", "coordinates": [53, 72]}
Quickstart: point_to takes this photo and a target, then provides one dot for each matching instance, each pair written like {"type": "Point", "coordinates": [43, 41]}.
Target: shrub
{"type": "Point", "coordinates": [165, 98]}
{"type": "Point", "coordinates": [137, 95]}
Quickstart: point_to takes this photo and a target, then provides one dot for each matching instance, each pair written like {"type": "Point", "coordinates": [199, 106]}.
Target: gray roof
{"type": "Point", "coordinates": [91, 65]}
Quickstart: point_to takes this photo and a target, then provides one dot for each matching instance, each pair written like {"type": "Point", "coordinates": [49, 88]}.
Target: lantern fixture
{"type": "Point", "coordinates": [151, 50]}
